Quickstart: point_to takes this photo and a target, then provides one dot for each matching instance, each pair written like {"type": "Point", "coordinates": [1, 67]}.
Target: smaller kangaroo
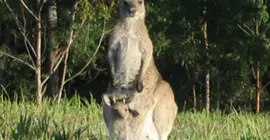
{"type": "Point", "coordinates": [130, 47]}
{"type": "Point", "coordinates": [119, 104]}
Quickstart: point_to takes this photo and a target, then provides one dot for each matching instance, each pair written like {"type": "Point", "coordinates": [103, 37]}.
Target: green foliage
{"type": "Point", "coordinates": [17, 76]}
{"type": "Point", "coordinates": [93, 21]}
{"type": "Point", "coordinates": [175, 28]}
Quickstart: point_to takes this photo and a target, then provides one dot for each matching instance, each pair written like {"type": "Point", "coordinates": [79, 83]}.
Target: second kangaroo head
{"type": "Point", "coordinates": [132, 9]}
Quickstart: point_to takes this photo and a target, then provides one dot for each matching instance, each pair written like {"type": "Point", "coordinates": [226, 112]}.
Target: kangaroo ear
{"type": "Point", "coordinates": [108, 99]}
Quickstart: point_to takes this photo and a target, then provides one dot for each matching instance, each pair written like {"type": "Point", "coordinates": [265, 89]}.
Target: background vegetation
{"type": "Point", "coordinates": [214, 53]}
{"type": "Point", "coordinates": [53, 66]}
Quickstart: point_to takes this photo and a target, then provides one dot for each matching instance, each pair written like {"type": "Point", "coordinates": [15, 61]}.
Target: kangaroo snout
{"type": "Point", "coordinates": [132, 11]}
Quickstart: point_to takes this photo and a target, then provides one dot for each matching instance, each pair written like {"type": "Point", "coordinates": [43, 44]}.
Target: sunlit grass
{"type": "Point", "coordinates": [71, 119]}
{"type": "Point", "coordinates": [75, 119]}
{"type": "Point", "coordinates": [218, 126]}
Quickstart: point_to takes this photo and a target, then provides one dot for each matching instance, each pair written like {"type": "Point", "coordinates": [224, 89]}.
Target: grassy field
{"type": "Point", "coordinates": [73, 120]}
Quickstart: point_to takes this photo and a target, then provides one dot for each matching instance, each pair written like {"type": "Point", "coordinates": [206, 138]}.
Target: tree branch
{"type": "Point", "coordinates": [42, 5]}
{"type": "Point", "coordinates": [253, 72]}
{"type": "Point", "coordinates": [264, 86]}
{"type": "Point", "coordinates": [90, 60]}
{"type": "Point", "coordinates": [70, 40]}
{"type": "Point", "coordinates": [63, 78]}
{"type": "Point", "coordinates": [28, 52]}
{"type": "Point", "coordinates": [251, 31]}
{"type": "Point", "coordinates": [27, 8]}
{"type": "Point", "coordinates": [54, 69]}
{"type": "Point", "coordinates": [67, 53]}
{"type": "Point", "coordinates": [20, 27]}
{"type": "Point", "coordinates": [245, 31]}
{"type": "Point", "coordinates": [18, 59]}
{"type": "Point", "coordinates": [27, 42]}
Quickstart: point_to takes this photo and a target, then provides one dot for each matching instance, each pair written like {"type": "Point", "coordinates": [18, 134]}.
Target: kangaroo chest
{"type": "Point", "coordinates": [128, 57]}
{"type": "Point", "coordinates": [129, 52]}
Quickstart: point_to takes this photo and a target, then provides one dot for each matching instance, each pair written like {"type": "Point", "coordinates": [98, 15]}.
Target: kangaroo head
{"type": "Point", "coordinates": [119, 105]}
{"type": "Point", "coordinates": [132, 9]}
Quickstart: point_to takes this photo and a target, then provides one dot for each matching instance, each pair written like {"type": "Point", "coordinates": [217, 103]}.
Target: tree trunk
{"type": "Point", "coordinates": [38, 57]}
{"type": "Point", "coordinates": [207, 74]}
{"type": "Point", "coordinates": [218, 92]}
{"type": "Point", "coordinates": [258, 88]}
{"type": "Point", "coordinates": [194, 97]}
{"type": "Point", "coordinates": [53, 83]}
{"type": "Point", "coordinates": [258, 79]}
{"type": "Point", "coordinates": [63, 78]}
{"type": "Point", "coordinates": [70, 40]}
{"type": "Point", "coordinates": [207, 91]}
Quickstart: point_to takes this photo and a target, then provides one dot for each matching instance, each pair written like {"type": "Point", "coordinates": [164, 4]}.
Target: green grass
{"type": "Point", "coordinates": [217, 126]}
{"type": "Point", "coordinates": [73, 120]}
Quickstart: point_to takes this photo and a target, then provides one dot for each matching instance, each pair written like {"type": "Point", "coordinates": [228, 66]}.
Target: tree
{"type": "Point", "coordinates": [254, 24]}
{"type": "Point", "coordinates": [53, 45]}
{"type": "Point", "coordinates": [36, 47]}
{"type": "Point", "coordinates": [207, 72]}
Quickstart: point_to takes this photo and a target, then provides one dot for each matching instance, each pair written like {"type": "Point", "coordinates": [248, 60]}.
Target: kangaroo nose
{"type": "Point", "coordinates": [132, 11]}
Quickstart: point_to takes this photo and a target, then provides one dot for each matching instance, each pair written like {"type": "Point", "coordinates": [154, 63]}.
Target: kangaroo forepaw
{"type": "Point", "coordinates": [134, 113]}
{"type": "Point", "coordinates": [139, 86]}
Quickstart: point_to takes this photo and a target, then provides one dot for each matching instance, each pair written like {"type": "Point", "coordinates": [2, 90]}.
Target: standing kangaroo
{"type": "Point", "coordinates": [131, 60]}
{"type": "Point", "coordinates": [130, 47]}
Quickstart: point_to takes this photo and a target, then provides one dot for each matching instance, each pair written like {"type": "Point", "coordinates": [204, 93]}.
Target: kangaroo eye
{"type": "Point", "coordinates": [140, 2]}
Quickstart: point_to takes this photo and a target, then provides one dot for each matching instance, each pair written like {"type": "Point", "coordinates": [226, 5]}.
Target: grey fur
{"type": "Point", "coordinates": [132, 65]}
{"type": "Point", "coordinates": [156, 108]}
{"type": "Point", "coordinates": [130, 47]}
